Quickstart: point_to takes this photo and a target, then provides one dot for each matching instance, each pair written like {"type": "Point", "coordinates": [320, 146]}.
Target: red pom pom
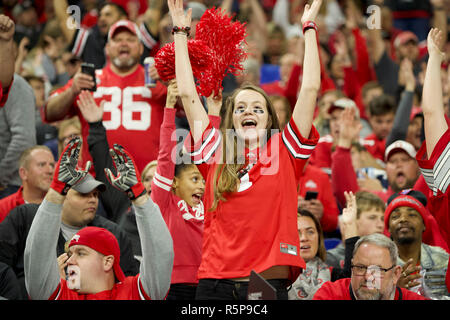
{"type": "Point", "coordinates": [216, 51]}
{"type": "Point", "coordinates": [217, 30]}
{"type": "Point", "coordinates": [201, 57]}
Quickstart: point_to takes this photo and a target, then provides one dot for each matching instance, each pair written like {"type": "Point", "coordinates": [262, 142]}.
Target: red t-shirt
{"type": "Point", "coordinates": [256, 227]}
{"type": "Point", "coordinates": [10, 202]}
{"type": "Point", "coordinates": [132, 116]}
{"type": "Point", "coordinates": [185, 223]}
{"type": "Point", "coordinates": [341, 290]}
{"type": "Point", "coordinates": [130, 289]}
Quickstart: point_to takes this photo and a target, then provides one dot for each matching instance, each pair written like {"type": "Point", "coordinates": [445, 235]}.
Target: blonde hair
{"type": "Point", "coordinates": [226, 175]}
{"type": "Point", "coordinates": [74, 122]}
{"type": "Point", "coordinates": [147, 167]}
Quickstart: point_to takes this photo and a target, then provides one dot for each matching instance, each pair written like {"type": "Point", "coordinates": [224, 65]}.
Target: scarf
{"type": "Point", "coordinates": [310, 280]}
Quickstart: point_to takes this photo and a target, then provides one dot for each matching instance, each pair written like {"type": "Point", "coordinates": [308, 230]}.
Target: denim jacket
{"type": "Point", "coordinates": [433, 261]}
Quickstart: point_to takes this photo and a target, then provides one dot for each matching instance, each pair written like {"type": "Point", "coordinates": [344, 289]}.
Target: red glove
{"type": "Point", "coordinates": [128, 178]}
{"type": "Point", "coordinates": [66, 173]}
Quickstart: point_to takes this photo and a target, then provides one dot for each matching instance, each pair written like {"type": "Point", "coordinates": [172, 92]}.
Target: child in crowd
{"type": "Point", "coordinates": [177, 188]}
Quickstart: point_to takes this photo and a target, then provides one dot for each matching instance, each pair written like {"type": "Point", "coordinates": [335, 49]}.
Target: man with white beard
{"type": "Point", "coordinates": [133, 113]}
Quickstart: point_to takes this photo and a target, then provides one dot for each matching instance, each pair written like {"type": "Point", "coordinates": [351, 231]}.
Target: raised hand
{"type": "Point", "coordinates": [349, 127]}
{"type": "Point", "coordinates": [172, 94]}
{"type": "Point", "coordinates": [311, 11]}
{"type": "Point", "coordinates": [128, 178]}
{"type": "Point", "coordinates": [349, 214]}
{"type": "Point", "coordinates": [435, 42]}
{"type": "Point", "coordinates": [89, 109]}
{"type": "Point", "coordinates": [66, 172]}
{"type": "Point", "coordinates": [179, 17]}
{"type": "Point", "coordinates": [7, 28]}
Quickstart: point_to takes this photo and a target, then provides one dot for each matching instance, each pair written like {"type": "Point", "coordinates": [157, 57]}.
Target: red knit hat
{"type": "Point", "coordinates": [103, 241]}
{"type": "Point", "coordinates": [418, 201]}
{"type": "Point", "coordinates": [405, 200]}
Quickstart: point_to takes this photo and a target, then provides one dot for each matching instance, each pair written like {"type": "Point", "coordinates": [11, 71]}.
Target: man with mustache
{"type": "Point", "coordinates": [375, 273]}
{"type": "Point", "coordinates": [133, 112]}
{"type": "Point", "coordinates": [407, 218]}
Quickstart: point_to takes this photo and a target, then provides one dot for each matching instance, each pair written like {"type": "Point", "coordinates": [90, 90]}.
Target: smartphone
{"type": "Point", "coordinates": [89, 68]}
{"type": "Point", "coordinates": [311, 195]}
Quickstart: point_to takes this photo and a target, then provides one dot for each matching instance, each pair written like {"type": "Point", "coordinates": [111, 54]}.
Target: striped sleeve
{"type": "Point", "coordinates": [146, 37]}
{"type": "Point", "coordinates": [79, 42]}
{"type": "Point", "coordinates": [298, 146]}
{"type": "Point", "coordinates": [163, 183]}
{"type": "Point", "coordinates": [205, 150]}
{"type": "Point", "coordinates": [436, 169]}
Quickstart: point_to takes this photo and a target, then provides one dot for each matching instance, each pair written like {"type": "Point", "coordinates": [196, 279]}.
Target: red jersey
{"type": "Point", "coordinates": [10, 202]}
{"type": "Point", "coordinates": [375, 146]}
{"type": "Point", "coordinates": [341, 290]}
{"type": "Point", "coordinates": [314, 179]}
{"type": "Point", "coordinates": [321, 157]}
{"type": "Point", "coordinates": [130, 289]}
{"type": "Point", "coordinates": [256, 227]}
{"type": "Point", "coordinates": [435, 169]}
{"type": "Point", "coordinates": [132, 116]}
{"type": "Point", "coordinates": [185, 223]}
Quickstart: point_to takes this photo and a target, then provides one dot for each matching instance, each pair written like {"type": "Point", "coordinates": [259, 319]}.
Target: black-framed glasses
{"type": "Point", "coordinates": [361, 270]}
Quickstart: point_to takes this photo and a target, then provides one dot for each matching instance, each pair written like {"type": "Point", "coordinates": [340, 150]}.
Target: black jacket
{"type": "Point", "coordinates": [14, 231]}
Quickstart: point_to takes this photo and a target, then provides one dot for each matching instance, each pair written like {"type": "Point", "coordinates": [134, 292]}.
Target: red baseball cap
{"type": "Point", "coordinates": [404, 37]}
{"type": "Point", "coordinates": [124, 24]}
{"type": "Point", "coordinates": [103, 241]}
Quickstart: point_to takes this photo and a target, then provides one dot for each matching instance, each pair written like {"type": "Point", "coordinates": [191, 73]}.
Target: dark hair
{"type": "Point", "coordinates": [179, 168]}
{"type": "Point", "coordinates": [382, 105]}
{"type": "Point", "coordinates": [118, 7]}
{"type": "Point", "coordinates": [321, 250]}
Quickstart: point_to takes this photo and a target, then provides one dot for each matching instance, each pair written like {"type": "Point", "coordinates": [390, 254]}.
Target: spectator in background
{"type": "Point", "coordinates": [369, 91]}
{"type": "Point", "coordinates": [36, 165]}
{"type": "Point", "coordinates": [78, 211]}
{"type": "Point", "coordinates": [312, 250]}
{"type": "Point", "coordinates": [27, 23]}
{"type": "Point", "coordinates": [381, 119]}
{"type": "Point", "coordinates": [321, 121]}
{"type": "Point", "coordinates": [46, 134]}
{"type": "Point", "coordinates": [282, 108]}
{"type": "Point", "coordinates": [324, 206]}
{"type": "Point", "coordinates": [89, 44]}
{"type": "Point", "coordinates": [406, 219]}
{"type": "Point", "coordinates": [321, 157]}
{"type": "Point", "coordinates": [369, 219]}
{"type": "Point", "coordinates": [121, 87]}
{"type": "Point", "coordinates": [17, 115]}
{"type": "Point", "coordinates": [375, 274]}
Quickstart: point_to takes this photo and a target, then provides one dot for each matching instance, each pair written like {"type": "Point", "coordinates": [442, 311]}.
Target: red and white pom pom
{"type": "Point", "coordinates": [200, 55]}
{"type": "Point", "coordinates": [218, 49]}
{"type": "Point", "coordinates": [226, 38]}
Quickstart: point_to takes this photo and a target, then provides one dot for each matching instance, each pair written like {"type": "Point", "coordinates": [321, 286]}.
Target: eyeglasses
{"type": "Point", "coordinates": [361, 270]}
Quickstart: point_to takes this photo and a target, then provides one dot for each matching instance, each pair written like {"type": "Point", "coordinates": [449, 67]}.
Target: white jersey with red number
{"type": "Point", "coordinates": [256, 227]}
{"type": "Point", "coordinates": [132, 115]}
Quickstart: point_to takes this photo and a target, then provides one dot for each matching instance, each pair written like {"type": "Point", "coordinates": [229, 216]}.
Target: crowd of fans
{"type": "Point", "coordinates": [364, 152]}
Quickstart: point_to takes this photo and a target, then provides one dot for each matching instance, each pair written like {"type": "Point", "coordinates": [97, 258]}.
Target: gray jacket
{"type": "Point", "coordinates": [17, 130]}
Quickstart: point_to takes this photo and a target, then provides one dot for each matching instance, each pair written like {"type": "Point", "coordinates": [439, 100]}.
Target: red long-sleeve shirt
{"type": "Point", "coordinates": [184, 222]}
{"type": "Point", "coordinates": [314, 179]}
